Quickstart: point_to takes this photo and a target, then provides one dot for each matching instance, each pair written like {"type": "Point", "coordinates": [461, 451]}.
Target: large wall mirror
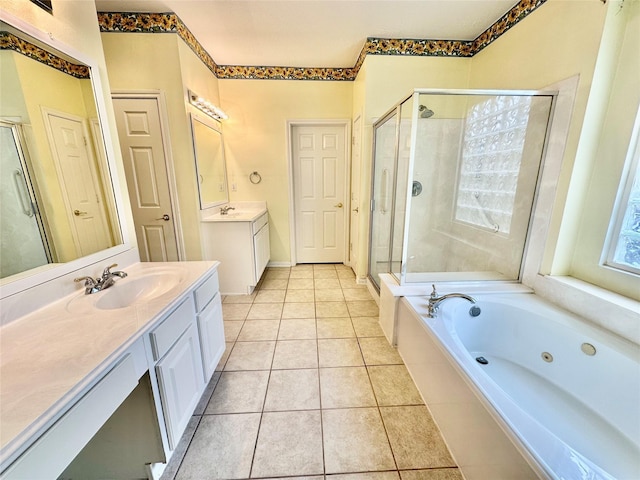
{"type": "Point", "coordinates": [210, 164]}
{"type": "Point", "coordinates": [57, 200]}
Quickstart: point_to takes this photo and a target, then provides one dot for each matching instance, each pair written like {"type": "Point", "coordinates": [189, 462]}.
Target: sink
{"type": "Point", "coordinates": [136, 289]}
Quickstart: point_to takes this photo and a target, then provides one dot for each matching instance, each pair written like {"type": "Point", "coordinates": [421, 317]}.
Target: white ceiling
{"type": "Point", "coordinates": [315, 33]}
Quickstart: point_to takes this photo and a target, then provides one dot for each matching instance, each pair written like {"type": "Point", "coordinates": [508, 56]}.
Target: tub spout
{"type": "Point", "coordinates": [435, 300]}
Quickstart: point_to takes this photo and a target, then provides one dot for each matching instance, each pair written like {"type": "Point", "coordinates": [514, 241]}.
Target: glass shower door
{"type": "Point", "coordinates": [22, 244]}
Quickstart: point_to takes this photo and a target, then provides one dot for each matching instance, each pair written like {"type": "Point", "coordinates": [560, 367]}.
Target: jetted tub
{"type": "Point", "coordinates": [569, 392]}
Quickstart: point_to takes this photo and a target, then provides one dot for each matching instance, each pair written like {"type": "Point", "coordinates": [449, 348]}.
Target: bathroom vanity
{"type": "Point", "coordinates": [239, 239]}
{"type": "Point", "coordinates": [103, 385]}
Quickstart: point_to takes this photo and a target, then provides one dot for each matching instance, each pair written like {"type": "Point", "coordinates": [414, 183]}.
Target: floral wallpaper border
{"type": "Point", "coordinates": [171, 23]}
{"type": "Point", "coordinates": [9, 41]}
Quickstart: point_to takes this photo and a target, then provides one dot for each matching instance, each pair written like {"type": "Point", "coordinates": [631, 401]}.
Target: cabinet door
{"type": "Point", "coordinates": [181, 383]}
{"type": "Point", "coordinates": [262, 250]}
{"type": "Point", "coordinates": [211, 331]}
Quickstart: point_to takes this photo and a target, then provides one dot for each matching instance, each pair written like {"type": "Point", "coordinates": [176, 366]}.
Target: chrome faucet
{"type": "Point", "coordinates": [105, 281]}
{"type": "Point", "coordinates": [435, 300]}
{"type": "Point", "coordinates": [224, 210]}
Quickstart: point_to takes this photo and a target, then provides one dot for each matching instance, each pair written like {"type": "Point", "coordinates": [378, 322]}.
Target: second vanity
{"type": "Point", "coordinates": [103, 385]}
{"type": "Point", "coordinates": [238, 238]}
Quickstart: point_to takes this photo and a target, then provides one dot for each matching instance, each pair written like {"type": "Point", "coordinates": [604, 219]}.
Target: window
{"type": "Point", "coordinates": [623, 250]}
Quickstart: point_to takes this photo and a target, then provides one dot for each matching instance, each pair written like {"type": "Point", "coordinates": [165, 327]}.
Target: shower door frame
{"type": "Point", "coordinates": [438, 91]}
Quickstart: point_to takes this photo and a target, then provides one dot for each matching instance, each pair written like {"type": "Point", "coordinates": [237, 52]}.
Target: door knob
{"type": "Point", "coordinates": [164, 217]}
{"type": "Point", "coordinates": [339, 205]}
{"type": "Point", "coordinates": [77, 213]}
{"type": "Point", "coordinates": [357, 209]}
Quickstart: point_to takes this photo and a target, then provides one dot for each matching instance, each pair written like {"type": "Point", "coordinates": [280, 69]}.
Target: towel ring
{"type": "Point", "coordinates": [255, 178]}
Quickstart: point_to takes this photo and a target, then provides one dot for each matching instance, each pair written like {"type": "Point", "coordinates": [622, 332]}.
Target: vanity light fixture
{"type": "Point", "coordinates": [207, 107]}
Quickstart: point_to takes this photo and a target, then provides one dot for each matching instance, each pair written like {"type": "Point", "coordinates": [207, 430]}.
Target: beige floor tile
{"type": "Point", "coordinates": [239, 298]}
{"type": "Point", "coordinates": [232, 329]}
{"type": "Point", "coordinates": [325, 274]}
{"type": "Point", "coordinates": [290, 443]}
{"type": "Point", "coordinates": [393, 385]}
{"type": "Point", "coordinates": [360, 308]}
{"type": "Point", "coordinates": [300, 296]}
{"type": "Point", "coordinates": [346, 387]}
{"type": "Point", "coordinates": [222, 448]}
{"type": "Point", "coordinates": [225, 356]}
{"type": "Point", "coordinates": [297, 329]}
{"type": "Point", "coordinates": [366, 476]}
{"type": "Point", "coordinates": [273, 273]}
{"type": "Point", "coordinates": [206, 395]}
{"type": "Point", "coordinates": [355, 441]}
{"type": "Point", "coordinates": [239, 392]}
{"type": "Point", "coordinates": [235, 311]}
{"type": "Point", "coordinates": [265, 311]}
{"type": "Point", "coordinates": [307, 273]}
{"type": "Point", "coordinates": [299, 310]}
{"type": "Point", "coordinates": [377, 351]}
{"type": "Point", "coordinates": [259, 330]}
{"type": "Point", "coordinates": [351, 283]}
{"type": "Point", "coordinates": [270, 296]}
{"type": "Point", "coordinates": [331, 309]}
{"type": "Point", "coordinates": [339, 352]}
{"type": "Point", "coordinates": [295, 354]}
{"type": "Point", "coordinates": [415, 438]}
{"type": "Point", "coordinates": [301, 284]}
{"type": "Point", "coordinates": [329, 295]}
{"type": "Point", "coordinates": [324, 283]}
{"type": "Point", "coordinates": [432, 474]}
{"type": "Point", "coordinates": [335, 328]}
{"type": "Point", "coordinates": [346, 273]}
{"type": "Point", "coordinates": [302, 267]}
{"type": "Point", "coordinates": [250, 356]}
{"type": "Point", "coordinates": [293, 390]}
{"type": "Point", "coordinates": [274, 284]}
{"type": "Point", "coordinates": [324, 266]}
{"type": "Point", "coordinates": [357, 294]}
{"type": "Point", "coordinates": [367, 326]}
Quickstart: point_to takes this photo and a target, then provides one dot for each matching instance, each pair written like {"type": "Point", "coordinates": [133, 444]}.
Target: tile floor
{"type": "Point", "coordinates": [309, 388]}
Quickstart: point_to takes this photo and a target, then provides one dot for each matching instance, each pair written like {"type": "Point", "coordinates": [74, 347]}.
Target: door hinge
{"type": "Point", "coordinates": [353, 140]}
{"type": "Point", "coordinates": [85, 141]}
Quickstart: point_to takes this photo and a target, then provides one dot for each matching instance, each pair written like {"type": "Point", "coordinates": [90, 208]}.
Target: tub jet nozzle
{"type": "Point", "coordinates": [474, 311]}
{"type": "Point", "coordinates": [482, 360]}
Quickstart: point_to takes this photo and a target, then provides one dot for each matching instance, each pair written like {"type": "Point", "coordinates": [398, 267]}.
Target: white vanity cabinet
{"type": "Point", "coordinates": [241, 243]}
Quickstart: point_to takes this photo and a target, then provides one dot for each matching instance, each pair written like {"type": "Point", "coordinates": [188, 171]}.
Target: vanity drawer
{"type": "Point", "coordinates": [259, 223]}
{"type": "Point", "coordinates": [166, 334]}
{"type": "Point", "coordinates": [205, 292]}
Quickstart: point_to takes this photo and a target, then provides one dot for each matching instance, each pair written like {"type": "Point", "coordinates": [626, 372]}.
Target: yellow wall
{"type": "Point", "coordinates": [164, 63]}
{"type": "Point", "coordinates": [255, 140]}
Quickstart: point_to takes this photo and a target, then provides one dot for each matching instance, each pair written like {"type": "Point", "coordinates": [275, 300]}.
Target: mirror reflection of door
{"type": "Point", "coordinates": [143, 153]}
{"type": "Point", "coordinates": [23, 243]}
{"type": "Point", "coordinates": [76, 168]}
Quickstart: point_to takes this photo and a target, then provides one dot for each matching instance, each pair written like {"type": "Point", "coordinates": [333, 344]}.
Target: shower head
{"type": "Point", "coordinates": [425, 112]}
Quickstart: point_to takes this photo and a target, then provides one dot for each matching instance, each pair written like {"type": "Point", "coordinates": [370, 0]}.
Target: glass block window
{"type": "Point", "coordinates": [624, 232]}
{"type": "Point", "coordinates": [492, 147]}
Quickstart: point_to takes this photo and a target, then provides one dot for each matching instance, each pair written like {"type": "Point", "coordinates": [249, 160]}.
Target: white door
{"type": "Point", "coordinates": [354, 236]}
{"type": "Point", "coordinates": [319, 192]}
{"type": "Point", "coordinates": [144, 156]}
{"type": "Point", "coordinates": [81, 191]}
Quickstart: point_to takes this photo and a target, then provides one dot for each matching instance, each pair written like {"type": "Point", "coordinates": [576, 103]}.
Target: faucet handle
{"type": "Point", "coordinates": [107, 270]}
{"type": "Point", "coordinates": [88, 281]}
{"type": "Point", "coordinates": [434, 294]}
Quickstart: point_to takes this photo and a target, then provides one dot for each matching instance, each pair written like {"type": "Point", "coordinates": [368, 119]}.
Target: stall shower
{"type": "Point", "coordinates": [454, 183]}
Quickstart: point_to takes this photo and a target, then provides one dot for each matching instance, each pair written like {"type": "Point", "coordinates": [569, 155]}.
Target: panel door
{"type": "Point", "coordinates": [81, 191]}
{"type": "Point", "coordinates": [181, 381]}
{"type": "Point", "coordinates": [144, 156]}
{"type": "Point", "coordinates": [319, 192]}
{"type": "Point", "coordinates": [211, 331]}
{"type": "Point", "coordinates": [354, 229]}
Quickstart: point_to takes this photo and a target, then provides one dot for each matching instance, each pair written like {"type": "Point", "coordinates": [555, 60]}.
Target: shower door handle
{"type": "Point", "coordinates": [22, 193]}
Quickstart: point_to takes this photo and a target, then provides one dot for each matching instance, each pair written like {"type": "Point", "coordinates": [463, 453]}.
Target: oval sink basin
{"type": "Point", "coordinates": [130, 291]}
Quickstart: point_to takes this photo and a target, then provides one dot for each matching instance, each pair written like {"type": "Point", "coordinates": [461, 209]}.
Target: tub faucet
{"type": "Point", "coordinates": [105, 281]}
{"type": "Point", "coordinates": [225, 210]}
{"type": "Point", "coordinates": [435, 300]}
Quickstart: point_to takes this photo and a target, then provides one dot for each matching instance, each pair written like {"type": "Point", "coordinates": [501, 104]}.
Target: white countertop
{"type": "Point", "coordinates": [50, 355]}
{"type": "Point", "coordinates": [242, 212]}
